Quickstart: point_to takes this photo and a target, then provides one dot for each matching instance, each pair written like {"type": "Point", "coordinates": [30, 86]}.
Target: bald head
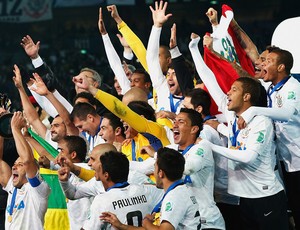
{"type": "Point", "coordinates": [134, 94]}
{"type": "Point", "coordinates": [103, 148]}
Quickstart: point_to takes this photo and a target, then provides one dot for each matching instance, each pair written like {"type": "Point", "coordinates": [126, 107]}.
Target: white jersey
{"type": "Point", "coordinates": [256, 179]}
{"type": "Point", "coordinates": [288, 133]}
{"type": "Point", "coordinates": [180, 209]}
{"type": "Point", "coordinates": [93, 187]}
{"type": "Point", "coordinates": [130, 204]}
{"type": "Point", "coordinates": [221, 167]}
{"type": "Point", "coordinates": [199, 175]}
{"type": "Point", "coordinates": [30, 206]}
{"type": "Point", "coordinates": [165, 101]}
{"type": "Point", "coordinates": [83, 204]}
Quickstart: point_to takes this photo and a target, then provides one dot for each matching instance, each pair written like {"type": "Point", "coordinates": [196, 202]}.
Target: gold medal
{"type": "Point", "coordinates": [9, 218]}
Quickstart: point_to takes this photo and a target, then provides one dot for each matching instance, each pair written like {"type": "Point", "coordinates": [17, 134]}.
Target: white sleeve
{"type": "Point", "coordinates": [223, 129]}
{"type": "Point", "coordinates": [175, 52]}
{"type": "Point", "coordinates": [244, 156]}
{"type": "Point", "coordinates": [152, 57]}
{"type": "Point", "coordinates": [115, 64]}
{"type": "Point", "coordinates": [47, 105]}
{"type": "Point", "coordinates": [146, 167]}
{"type": "Point", "coordinates": [207, 76]}
{"type": "Point", "coordinates": [80, 191]}
{"type": "Point", "coordinates": [197, 158]}
{"type": "Point", "coordinates": [128, 56]}
{"type": "Point", "coordinates": [280, 114]}
{"type": "Point", "coordinates": [37, 62]}
{"type": "Point", "coordinates": [63, 101]}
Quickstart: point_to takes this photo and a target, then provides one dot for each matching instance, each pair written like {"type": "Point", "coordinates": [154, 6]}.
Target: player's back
{"type": "Point", "coordinates": [130, 204]}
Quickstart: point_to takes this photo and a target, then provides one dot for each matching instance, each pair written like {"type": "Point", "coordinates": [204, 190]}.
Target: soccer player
{"type": "Point", "coordinates": [130, 202]}
{"type": "Point", "coordinates": [27, 192]}
{"type": "Point", "coordinates": [251, 173]}
{"type": "Point", "coordinates": [283, 108]}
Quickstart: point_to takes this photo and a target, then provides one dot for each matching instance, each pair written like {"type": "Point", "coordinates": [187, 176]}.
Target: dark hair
{"type": "Point", "coordinates": [256, 90]}
{"type": "Point", "coordinates": [115, 122]}
{"type": "Point", "coordinates": [166, 50]}
{"type": "Point", "coordinates": [195, 118]}
{"type": "Point", "coordinates": [171, 162]}
{"type": "Point", "coordinates": [77, 144]}
{"type": "Point", "coordinates": [285, 58]}
{"type": "Point", "coordinates": [272, 48]}
{"type": "Point", "coordinates": [86, 95]}
{"type": "Point", "coordinates": [81, 110]}
{"type": "Point", "coordinates": [143, 108]}
{"type": "Point", "coordinates": [200, 97]}
{"type": "Point", "coordinates": [116, 165]}
{"type": "Point", "coordinates": [144, 73]}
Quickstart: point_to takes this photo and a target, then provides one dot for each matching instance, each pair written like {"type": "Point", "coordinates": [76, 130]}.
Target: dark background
{"type": "Point", "coordinates": [73, 30]}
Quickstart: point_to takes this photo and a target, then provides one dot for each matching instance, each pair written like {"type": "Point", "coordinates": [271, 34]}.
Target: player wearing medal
{"type": "Point", "coordinates": [27, 192]}
{"type": "Point", "coordinates": [251, 150]}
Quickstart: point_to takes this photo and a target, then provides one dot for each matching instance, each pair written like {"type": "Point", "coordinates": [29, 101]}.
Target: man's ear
{"type": "Point", "coordinates": [246, 97]}
{"type": "Point", "coordinates": [90, 117]}
{"type": "Point", "coordinates": [194, 129]}
{"type": "Point", "coordinates": [73, 155]}
{"type": "Point", "coordinates": [199, 109]}
{"type": "Point", "coordinates": [118, 131]}
{"type": "Point", "coordinates": [147, 85]}
{"type": "Point", "coordinates": [281, 68]}
{"type": "Point", "coordinates": [161, 174]}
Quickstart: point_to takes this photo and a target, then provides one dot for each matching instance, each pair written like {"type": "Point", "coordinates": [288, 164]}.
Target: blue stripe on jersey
{"type": "Point", "coordinates": [34, 182]}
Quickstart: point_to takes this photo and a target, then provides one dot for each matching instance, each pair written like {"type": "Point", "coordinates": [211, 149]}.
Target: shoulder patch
{"type": "Point", "coordinates": [200, 152]}
{"type": "Point", "coordinates": [169, 207]}
{"type": "Point", "coordinates": [291, 95]}
{"type": "Point", "coordinates": [261, 137]}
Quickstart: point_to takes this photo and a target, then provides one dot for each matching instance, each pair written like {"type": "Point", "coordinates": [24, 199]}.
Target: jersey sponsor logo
{"type": "Point", "coordinates": [169, 207]}
{"type": "Point", "coordinates": [187, 180]}
{"type": "Point", "coordinates": [200, 152]}
{"type": "Point", "coordinates": [261, 137]}
{"type": "Point", "coordinates": [129, 201]}
{"type": "Point", "coordinates": [291, 95]}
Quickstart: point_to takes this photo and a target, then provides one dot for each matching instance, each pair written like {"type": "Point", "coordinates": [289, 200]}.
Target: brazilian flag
{"type": "Point", "coordinates": [56, 217]}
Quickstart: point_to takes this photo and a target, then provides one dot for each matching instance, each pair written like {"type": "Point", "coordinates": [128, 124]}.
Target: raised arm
{"type": "Point", "coordinates": [133, 41]}
{"type": "Point", "coordinates": [5, 170]}
{"type": "Point", "coordinates": [206, 74]}
{"type": "Point", "coordinates": [245, 41]}
{"type": "Point", "coordinates": [112, 56]}
{"type": "Point", "coordinates": [42, 90]}
{"type": "Point", "coordinates": [139, 123]}
{"type": "Point", "coordinates": [183, 72]}
{"type": "Point", "coordinates": [29, 110]}
{"type": "Point", "coordinates": [159, 18]}
{"type": "Point", "coordinates": [23, 148]}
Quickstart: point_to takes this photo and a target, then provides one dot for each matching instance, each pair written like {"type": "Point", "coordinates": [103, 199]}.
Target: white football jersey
{"type": "Point", "coordinates": [288, 133]}
{"type": "Point", "coordinates": [199, 175]}
{"type": "Point", "coordinates": [130, 204]}
{"type": "Point", "coordinates": [180, 208]}
{"type": "Point", "coordinates": [30, 206]}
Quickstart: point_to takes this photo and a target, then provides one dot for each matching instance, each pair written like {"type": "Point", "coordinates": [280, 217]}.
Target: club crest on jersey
{"type": "Point", "coordinates": [245, 132]}
{"type": "Point", "coordinates": [279, 101]}
{"type": "Point", "coordinates": [169, 207]}
{"type": "Point", "coordinates": [261, 137]}
{"type": "Point", "coordinates": [291, 95]}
